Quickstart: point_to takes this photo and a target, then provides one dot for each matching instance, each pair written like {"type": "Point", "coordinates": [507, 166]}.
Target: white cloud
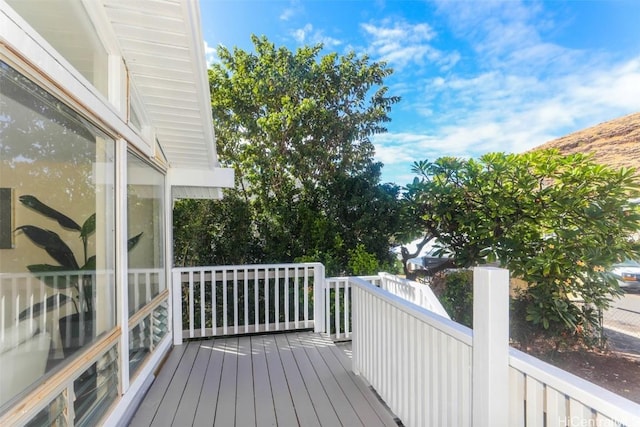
{"type": "Point", "coordinates": [497, 111]}
{"type": "Point", "coordinates": [300, 35]}
{"type": "Point", "coordinates": [287, 14]}
{"type": "Point", "coordinates": [523, 92]}
{"type": "Point", "coordinates": [308, 34]}
{"type": "Point", "coordinates": [290, 11]}
{"type": "Point", "coordinates": [400, 43]}
{"type": "Point", "coordinates": [506, 34]}
{"type": "Point", "coordinates": [397, 148]}
{"type": "Point", "coordinates": [210, 54]}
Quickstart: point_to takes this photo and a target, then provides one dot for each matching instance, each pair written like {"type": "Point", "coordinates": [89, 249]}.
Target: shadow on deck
{"type": "Point", "coordinates": [298, 378]}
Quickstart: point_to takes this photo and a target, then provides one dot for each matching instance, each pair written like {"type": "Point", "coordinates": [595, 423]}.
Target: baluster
{"type": "Point", "coordinates": [246, 299]}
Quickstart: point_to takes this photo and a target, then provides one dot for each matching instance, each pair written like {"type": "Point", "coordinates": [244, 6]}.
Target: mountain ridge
{"type": "Point", "coordinates": [614, 143]}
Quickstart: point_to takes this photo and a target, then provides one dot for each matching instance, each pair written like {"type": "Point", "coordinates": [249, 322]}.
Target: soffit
{"type": "Point", "coordinates": [162, 45]}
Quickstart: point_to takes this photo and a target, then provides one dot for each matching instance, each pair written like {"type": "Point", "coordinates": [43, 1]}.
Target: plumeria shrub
{"type": "Point", "coordinates": [556, 222]}
{"type": "Point", "coordinates": [454, 288]}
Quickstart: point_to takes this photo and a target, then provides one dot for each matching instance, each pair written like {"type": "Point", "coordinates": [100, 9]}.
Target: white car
{"type": "Point", "coordinates": [627, 273]}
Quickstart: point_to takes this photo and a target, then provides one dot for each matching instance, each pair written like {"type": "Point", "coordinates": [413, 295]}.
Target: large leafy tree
{"type": "Point", "coordinates": [297, 127]}
{"type": "Point", "coordinates": [557, 222]}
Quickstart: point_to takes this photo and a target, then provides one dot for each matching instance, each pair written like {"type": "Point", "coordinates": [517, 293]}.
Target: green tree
{"type": "Point", "coordinates": [557, 222]}
{"type": "Point", "coordinates": [296, 128]}
{"type": "Point", "coordinates": [213, 232]}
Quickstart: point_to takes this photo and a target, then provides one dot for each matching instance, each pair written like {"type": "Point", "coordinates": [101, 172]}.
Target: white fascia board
{"type": "Point", "coordinates": [198, 58]}
{"type": "Point", "coordinates": [216, 177]}
{"type": "Point", "coordinates": [199, 183]}
{"type": "Point", "coordinates": [18, 35]}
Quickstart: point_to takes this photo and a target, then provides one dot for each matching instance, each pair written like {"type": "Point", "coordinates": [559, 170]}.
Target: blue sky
{"type": "Point", "coordinates": [474, 76]}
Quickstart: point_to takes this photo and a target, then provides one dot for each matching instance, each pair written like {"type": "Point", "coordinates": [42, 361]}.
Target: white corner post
{"type": "Point", "coordinates": [176, 295]}
{"type": "Point", "coordinates": [490, 347]}
{"type": "Point", "coordinates": [318, 297]}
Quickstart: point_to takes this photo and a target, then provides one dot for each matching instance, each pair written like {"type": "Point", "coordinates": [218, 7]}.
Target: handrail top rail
{"type": "Point", "coordinates": [351, 277]}
{"type": "Point", "coordinates": [586, 392]}
{"type": "Point", "coordinates": [244, 266]}
{"type": "Point", "coordinates": [447, 326]}
{"type": "Point", "coordinates": [435, 307]}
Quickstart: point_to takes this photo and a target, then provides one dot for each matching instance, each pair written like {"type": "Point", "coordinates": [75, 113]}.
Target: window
{"type": "Point", "coordinates": [92, 391]}
{"type": "Point", "coordinates": [145, 218]}
{"type": "Point", "coordinates": [57, 279]}
{"type": "Point", "coordinates": [146, 335]}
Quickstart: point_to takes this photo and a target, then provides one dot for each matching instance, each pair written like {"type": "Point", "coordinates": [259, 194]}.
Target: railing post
{"type": "Point", "coordinates": [490, 347]}
{"type": "Point", "coordinates": [384, 278]}
{"type": "Point", "coordinates": [176, 284]}
{"type": "Point", "coordinates": [318, 298]}
{"type": "Point", "coordinates": [356, 353]}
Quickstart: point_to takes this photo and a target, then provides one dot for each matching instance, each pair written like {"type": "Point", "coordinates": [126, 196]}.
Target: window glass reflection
{"type": "Point", "coordinates": [57, 263]}
{"type": "Point", "coordinates": [145, 201]}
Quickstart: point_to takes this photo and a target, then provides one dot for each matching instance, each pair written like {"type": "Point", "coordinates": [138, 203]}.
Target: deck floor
{"type": "Point", "coordinates": [297, 378]}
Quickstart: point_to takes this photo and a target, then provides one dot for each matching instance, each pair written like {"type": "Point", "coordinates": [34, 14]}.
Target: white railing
{"type": "Point", "coordinates": [554, 397]}
{"type": "Point", "coordinates": [429, 369]}
{"type": "Point", "coordinates": [224, 300]}
{"type": "Point", "coordinates": [419, 362]}
{"type": "Point", "coordinates": [338, 300]}
{"type": "Point", "coordinates": [251, 301]}
{"type": "Point", "coordinates": [414, 292]}
{"type": "Point", "coordinates": [337, 303]}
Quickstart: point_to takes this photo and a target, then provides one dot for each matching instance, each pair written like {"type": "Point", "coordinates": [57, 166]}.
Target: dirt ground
{"type": "Point", "coordinates": [615, 371]}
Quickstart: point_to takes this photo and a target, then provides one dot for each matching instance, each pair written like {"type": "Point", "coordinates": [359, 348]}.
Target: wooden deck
{"type": "Point", "coordinates": [298, 378]}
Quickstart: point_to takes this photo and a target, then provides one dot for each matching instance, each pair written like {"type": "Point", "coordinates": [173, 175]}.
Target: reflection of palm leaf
{"type": "Point", "coordinates": [90, 265]}
{"type": "Point", "coordinates": [51, 243]}
{"type": "Point", "coordinates": [54, 301]}
{"type": "Point", "coordinates": [45, 210]}
{"type": "Point", "coordinates": [89, 227]}
{"type": "Point", "coordinates": [80, 278]}
{"type": "Point", "coordinates": [132, 242]}
{"type": "Point", "coordinates": [55, 282]}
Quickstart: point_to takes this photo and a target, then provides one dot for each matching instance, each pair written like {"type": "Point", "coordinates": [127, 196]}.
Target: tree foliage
{"type": "Point", "coordinates": [558, 222]}
{"type": "Point", "coordinates": [296, 128]}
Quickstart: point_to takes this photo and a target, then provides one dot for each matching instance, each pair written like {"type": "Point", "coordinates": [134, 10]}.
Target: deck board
{"type": "Point", "coordinates": [188, 404]}
{"type": "Point", "coordinates": [341, 407]}
{"type": "Point", "coordinates": [171, 399]}
{"type": "Point", "coordinates": [382, 411]}
{"type": "Point", "coordinates": [282, 401]}
{"type": "Point", "coordinates": [206, 409]}
{"type": "Point", "coordinates": [265, 409]}
{"type": "Point", "coordinates": [296, 378]}
{"type": "Point", "coordinates": [320, 400]}
{"type": "Point", "coordinates": [301, 400]}
{"type": "Point", "coordinates": [149, 406]}
{"type": "Point", "coordinates": [245, 402]}
{"type": "Point", "coordinates": [226, 407]}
